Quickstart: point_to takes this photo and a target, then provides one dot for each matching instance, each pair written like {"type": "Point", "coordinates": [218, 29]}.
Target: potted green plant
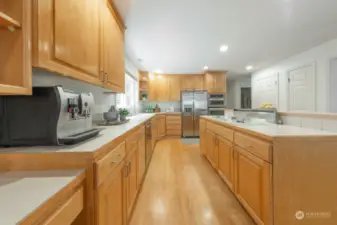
{"type": "Point", "coordinates": [144, 96]}
{"type": "Point", "coordinates": [122, 114]}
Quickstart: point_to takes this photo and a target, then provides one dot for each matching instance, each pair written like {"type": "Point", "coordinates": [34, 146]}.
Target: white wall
{"type": "Point", "coordinates": [321, 56]}
{"type": "Point", "coordinates": [234, 91]}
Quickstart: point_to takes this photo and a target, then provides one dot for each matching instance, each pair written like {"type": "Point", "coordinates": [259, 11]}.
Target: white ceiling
{"type": "Point", "coordinates": [182, 36]}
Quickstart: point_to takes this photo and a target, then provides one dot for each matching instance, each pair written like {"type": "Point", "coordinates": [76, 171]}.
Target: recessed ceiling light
{"type": "Point", "coordinates": [249, 67]}
{"type": "Point", "coordinates": [205, 67]}
{"type": "Point", "coordinates": [158, 71]}
{"type": "Point", "coordinates": [223, 48]}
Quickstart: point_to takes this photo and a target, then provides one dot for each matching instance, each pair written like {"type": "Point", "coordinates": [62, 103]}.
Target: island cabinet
{"type": "Point", "coordinates": [244, 164]}
{"type": "Point", "coordinates": [253, 184]}
{"type": "Point", "coordinates": [202, 133]}
{"type": "Point", "coordinates": [15, 50]}
{"type": "Point", "coordinates": [79, 39]}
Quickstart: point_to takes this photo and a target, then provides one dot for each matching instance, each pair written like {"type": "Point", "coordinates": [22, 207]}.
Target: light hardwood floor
{"type": "Point", "coordinates": [181, 188]}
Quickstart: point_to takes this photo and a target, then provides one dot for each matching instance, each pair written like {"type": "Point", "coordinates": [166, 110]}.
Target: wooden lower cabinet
{"type": "Point", "coordinates": [173, 125]}
{"type": "Point", "coordinates": [202, 131]}
{"type": "Point", "coordinates": [248, 175]}
{"type": "Point", "coordinates": [161, 123]}
{"type": "Point", "coordinates": [253, 185]}
{"type": "Point", "coordinates": [111, 198]}
{"type": "Point", "coordinates": [141, 158]}
{"type": "Point", "coordinates": [226, 161]}
{"type": "Point", "coordinates": [211, 151]}
{"type": "Point", "coordinates": [154, 131]}
{"type": "Point", "coordinates": [131, 180]}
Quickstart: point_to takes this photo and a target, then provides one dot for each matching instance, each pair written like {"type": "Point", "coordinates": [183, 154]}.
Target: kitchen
{"type": "Point", "coordinates": [148, 112]}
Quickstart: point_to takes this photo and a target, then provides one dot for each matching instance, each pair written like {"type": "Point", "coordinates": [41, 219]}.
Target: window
{"type": "Point", "coordinates": [129, 99]}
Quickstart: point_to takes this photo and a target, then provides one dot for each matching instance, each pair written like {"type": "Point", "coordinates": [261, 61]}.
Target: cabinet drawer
{"type": "Point", "coordinates": [173, 122]}
{"type": "Point", "coordinates": [255, 146]}
{"type": "Point", "coordinates": [105, 165]}
{"type": "Point", "coordinates": [221, 130]}
{"type": "Point", "coordinates": [173, 126]}
{"type": "Point", "coordinates": [173, 132]}
{"type": "Point", "coordinates": [68, 211]}
{"type": "Point", "coordinates": [173, 118]}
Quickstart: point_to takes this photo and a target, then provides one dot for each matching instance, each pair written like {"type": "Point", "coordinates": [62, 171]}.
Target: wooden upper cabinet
{"type": "Point", "coordinates": [79, 39]}
{"type": "Point", "coordinates": [253, 185]}
{"type": "Point", "coordinates": [192, 82]}
{"type": "Point", "coordinates": [158, 88]}
{"type": "Point", "coordinates": [66, 38]}
{"type": "Point", "coordinates": [215, 82]}
{"type": "Point", "coordinates": [15, 50]}
{"type": "Point", "coordinates": [113, 50]}
{"type": "Point", "coordinates": [174, 87]}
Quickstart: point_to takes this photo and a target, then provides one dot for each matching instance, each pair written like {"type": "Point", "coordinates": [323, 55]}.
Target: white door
{"type": "Point", "coordinates": [302, 89]}
{"type": "Point", "coordinates": [333, 85]}
{"type": "Point", "coordinates": [265, 90]}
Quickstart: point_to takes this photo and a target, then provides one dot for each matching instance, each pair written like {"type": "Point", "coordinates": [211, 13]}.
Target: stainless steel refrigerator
{"type": "Point", "coordinates": [193, 105]}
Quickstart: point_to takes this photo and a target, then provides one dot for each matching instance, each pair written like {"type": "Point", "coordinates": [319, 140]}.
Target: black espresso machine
{"type": "Point", "coordinates": [50, 116]}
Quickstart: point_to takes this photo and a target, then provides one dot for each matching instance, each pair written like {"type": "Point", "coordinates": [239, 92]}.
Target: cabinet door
{"type": "Point", "coordinates": [198, 83]}
{"type": "Point", "coordinates": [161, 126]}
{"type": "Point", "coordinates": [208, 82]}
{"type": "Point", "coordinates": [219, 82]}
{"type": "Point", "coordinates": [113, 36]}
{"type": "Point", "coordinates": [161, 88]}
{"type": "Point", "coordinates": [253, 185]}
{"type": "Point", "coordinates": [132, 186]}
{"type": "Point", "coordinates": [110, 198]}
{"type": "Point", "coordinates": [66, 38]}
{"type": "Point", "coordinates": [141, 159]}
{"type": "Point", "coordinates": [203, 144]}
{"type": "Point", "coordinates": [15, 49]}
{"type": "Point", "coordinates": [174, 82]}
{"type": "Point", "coordinates": [192, 82]}
{"type": "Point", "coordinates": [225, 160]}
{"type": "Point", "coordinates": [211, 148]}
{"type": "Point", "coordinates": [154, 132]}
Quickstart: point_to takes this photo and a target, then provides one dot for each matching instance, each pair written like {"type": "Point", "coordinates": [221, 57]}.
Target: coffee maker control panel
{"type": "Point", "coordinates": [73, 108]}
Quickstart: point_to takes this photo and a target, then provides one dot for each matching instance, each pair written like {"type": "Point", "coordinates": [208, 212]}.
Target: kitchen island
{"type": "Point", "coordinates": [280, 174]}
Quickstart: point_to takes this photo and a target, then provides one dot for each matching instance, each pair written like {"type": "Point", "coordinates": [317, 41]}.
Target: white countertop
{"type": "Point", "coordinates": [24, 191]}
{"type": "Point", "coordinates": [107, 135]}
{"type": "Point", "coordinates": [273, 130]}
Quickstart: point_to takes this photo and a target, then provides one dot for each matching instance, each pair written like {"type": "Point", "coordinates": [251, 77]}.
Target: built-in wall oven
{"type": "Point", "coordinates": [216, 103]}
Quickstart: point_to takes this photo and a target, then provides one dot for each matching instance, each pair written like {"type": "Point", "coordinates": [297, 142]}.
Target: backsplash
{"type": "Point", "coordinates": [164, 106]}
{"type": "Point", "coordinates": [102, 101]}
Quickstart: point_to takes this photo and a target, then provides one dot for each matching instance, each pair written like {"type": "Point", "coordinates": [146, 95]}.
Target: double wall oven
{"type": "Point", "coordinates": [216, 103]}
